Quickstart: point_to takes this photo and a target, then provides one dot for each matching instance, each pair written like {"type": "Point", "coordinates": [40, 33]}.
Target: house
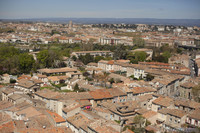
{"type": "Point", "coordinates": [43, 78]}
{"type": "Point", "coordinates": [113, 65]}
{"type": "Point", "coordinates": [93, 53]}
{"type": "Point", "coordinates": [175, 119]}
{"type": "Point", "coordinates": [138, 71]}
{"type": "Point", "coordinates": [162, 102]}
{"type": "Point", "coordinates": [134, 92]}
{"type": "Point", "coordinates": [162, 116]}
{"type": "Point", "coordinates": [145, 101]}
{"type": "Point", "coordinates": [151, 128]}
{"type": "Point", "coordinates": [117, 77]}
{"type": "Point", "coordinates": [99, 96]}
{"type": "Point", "coordinates": [17, 98]}
{"type": "Point", "coordinates": [120, 111]}
{"type": "Point", "coordinates": [27, 86]}
{"type": "Point", "coordinates": [104, 126]}
{"type": "Point", "coordinates": [26, 113]}
{"type": "Point", "coordinates": [151, 116]}
{"type": "Point", "coordinates": [5, 78]}
{"type": "Point", "coordinates": [50, 98]}
{"type": "Point", "coordinates": [186, 105]}
{"type": "Point", "coordinates": [6, 93]}
{"type": "Point", "coordinates": [72, 107]}
{"type": "Point", "coordinates": [56, 119]}
{"type": "Point", "coordinates": [186, 90]}
{"type": "Point", "coordinates": [92, 65]}
{"type": "Point", "coordinates": [102, 111]}
{"type": "Point", "coordinates": [78, 123]}
{"type": "Point", "coordinates": [58, 79]}
{"type": "Point", "coordinates": [167, 84]}
{"type": "Point", "coordinates": [193, 118]}
{"type": "Point", "coordinates": [56, 71]}
{"type": "Point", "coordinates": [182, 59]}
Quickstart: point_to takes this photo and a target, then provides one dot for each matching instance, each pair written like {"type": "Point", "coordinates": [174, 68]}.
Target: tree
{"type": "Point", "coordinates": [137, 56]}
{"type": "Point", "coordinates": [140, 55]}
{"type": "Point", "coordinates": [139, 120]}
{"type": "Point", "coordinates": [49, 58]}
{"type": "Point", "coordinates": [26, 62]}
{"type": "Point", "coordinates": [166, 56]}
{"type": "Point", "coordinates": [98, 58]}
{"type": "Point", "coordinates": [74, 58]}
{"type": "Point", "coordinates": [86, 59]}
{"type": "Point", "coordinates": [12, 81]}
{"type": "Point", "coordinates": [149, 77]}
{"type": "Point", "coordinates": [120, 52]}
{"type": "Point", "coordinates": [76, 87]}
{"type": "Point", "coordinates": [138, 41]}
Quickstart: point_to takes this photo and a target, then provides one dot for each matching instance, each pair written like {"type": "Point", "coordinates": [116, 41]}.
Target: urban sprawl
{"type": "Point", "coordinates": [99, 78]}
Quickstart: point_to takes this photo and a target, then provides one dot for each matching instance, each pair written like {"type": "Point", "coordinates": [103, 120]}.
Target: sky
{"type": "Point", "coordinates": [161, 9]}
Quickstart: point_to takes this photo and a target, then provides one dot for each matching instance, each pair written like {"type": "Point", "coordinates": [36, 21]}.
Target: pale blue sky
{"type": "Point", "coordinates": [174, 9]}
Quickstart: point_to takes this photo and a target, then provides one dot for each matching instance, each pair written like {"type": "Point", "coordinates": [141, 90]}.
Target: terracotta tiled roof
{"type": "Point", "coordinates": [57, 70]}
{"type": "Point", "coordinates": [25, 83]}
{"type": "Point", "coordinates": [177, 113]}
{"type": "Point", "coordinates": [127, 131]}
{"type": "Point", "coordinates": [163, 101]}
{"type": "Point", "coordinates": [188, 85]}
{"type": "Point", "coordinates": [105, 129]}
{"type": "Point", "coordinates": [57, 118]}
{"type": "Point", "coordinates": [149, 114]}
{"type": "Point", "coordinates": [195, 114]}
{"type": "Point", "coordinates": [7, 127]}
{"type": "Point", "coordinates": [41, 76]}
{"type": "Point", "coordinates": [138, 90]}
{"type": "Point", "coordinates": [24, 77]}
{"type": "Point", "coordinates": [154, 63]}
{"type": "Point", "coordinates": [5, 104]}
{"type": "Point", "coordinates": [187, 103]}
{"type": "Point", "coordinates": [100, 94]}
{"type": "Point", "coordinates": [151, 128]}
{"type": "Point", "coordinates": [79, 120]}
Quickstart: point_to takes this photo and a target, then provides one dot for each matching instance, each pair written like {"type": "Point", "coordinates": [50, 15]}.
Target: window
{"type": "Point", "coordinates": [175, 121]}
{"type": "Point", "coordinates": [170, 119]}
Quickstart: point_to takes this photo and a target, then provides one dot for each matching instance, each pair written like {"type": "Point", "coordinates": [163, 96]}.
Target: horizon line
{"type": "Point", "coordinates": [94, 18]}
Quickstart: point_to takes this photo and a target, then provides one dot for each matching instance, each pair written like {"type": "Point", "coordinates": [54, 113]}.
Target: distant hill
{"type": "Point", "coordinates": [151, 21]}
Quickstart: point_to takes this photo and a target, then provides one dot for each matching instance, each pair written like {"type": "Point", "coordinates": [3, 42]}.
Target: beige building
{"type": "Point", "coordinates": [93, 53]}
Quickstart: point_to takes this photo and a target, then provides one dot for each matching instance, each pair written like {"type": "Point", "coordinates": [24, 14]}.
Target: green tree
{"type": "Point", "coordinates": [86, 59]}
{"type": "Point", "coordinates": [26, 62]}
{"type": "Point", "coordinates": [138, 41]}
{"type": "Point", "coordinates": [137, 56]}
{"type": "Point", "coordinates": [49, 58]}
{"type": "Point", "coordinates": [98, 58]}
{"type": "Point", "coordinates": [166, 56]}
{"type": "Point", "coordinates": [76, 88]}
{"type": "Point", "coordinates": [120, 52]}
{"type": "Point", "coordinates": [140, 56]}
{"type": "Point", "coordinates": [12, 81]}
{"type": "Point", "coordinates": [139, 120]}
{"type": "Point", "coordinates": [8, 51]}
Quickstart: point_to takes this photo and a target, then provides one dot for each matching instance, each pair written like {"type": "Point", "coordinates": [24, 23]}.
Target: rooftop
{"type": "Point", "coordinates": [163, 101]}
{"type": "Point", "coordinates": [57, 118]}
